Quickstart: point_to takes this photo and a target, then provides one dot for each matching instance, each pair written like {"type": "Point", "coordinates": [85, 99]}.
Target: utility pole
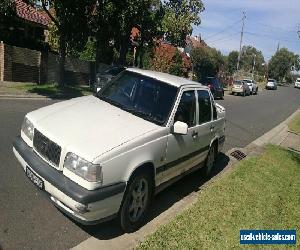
{"type": "Point", "coordinates": [253, 66]}
{"type": "Point", "coordinates": [241, 41]}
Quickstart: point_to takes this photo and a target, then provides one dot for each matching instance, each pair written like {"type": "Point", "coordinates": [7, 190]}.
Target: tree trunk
{"type": "Point", "coordinates": [61, 59]}
{"type": "Point", "coordinates": [98, 52]}
{"type": "Point", "coordinates": [141, 54]}
{"type": "Point", "coordinates": [124, 48]}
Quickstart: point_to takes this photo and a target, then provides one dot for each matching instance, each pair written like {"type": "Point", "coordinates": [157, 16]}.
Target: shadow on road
{"type": "Point", "coordinates": [163, 201]}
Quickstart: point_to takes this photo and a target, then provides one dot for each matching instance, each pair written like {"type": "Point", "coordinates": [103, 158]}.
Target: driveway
{"type": "Point", "coordinates": [28, 220]}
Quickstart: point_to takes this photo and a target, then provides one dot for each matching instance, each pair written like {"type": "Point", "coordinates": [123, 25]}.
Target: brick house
{"type": "Point", "coordinates": [28, 28]}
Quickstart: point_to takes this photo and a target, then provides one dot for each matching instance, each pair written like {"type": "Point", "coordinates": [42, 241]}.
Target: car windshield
{"type": "Point", "coordinates": [271, 80]}
{"type": "Point", "coordinates": [142, 96]}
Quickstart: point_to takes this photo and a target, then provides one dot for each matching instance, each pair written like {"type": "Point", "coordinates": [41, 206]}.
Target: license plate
{"type": "Point", "coordinates": [34, 179]}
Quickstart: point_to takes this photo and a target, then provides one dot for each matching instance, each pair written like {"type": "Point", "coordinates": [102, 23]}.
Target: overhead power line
{"type": "Point", "coordinates": [225, 38]}
{"type": "Point", "coordinates": [222, 31]}
{"type": "Point", "coordinates": [270, 37]}
{"type": "Point", "coordinates": [276, 28]}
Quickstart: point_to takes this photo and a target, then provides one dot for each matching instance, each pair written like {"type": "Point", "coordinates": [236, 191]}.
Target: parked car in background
{"type": "Point", "coordinates": [271, 84]}
{"type": "Point", "coordinates": [105, 156]}
{"type": "Point", "coordinates": [252, 85]}
{"type": "Point", "coordinates": [240, 88]}
{"type": "Point", "coordinates": [297, 83]}
{"type": "Point", "coordinates": [105, 76]}
{"type": "Point", "coordinates": [215, 86]}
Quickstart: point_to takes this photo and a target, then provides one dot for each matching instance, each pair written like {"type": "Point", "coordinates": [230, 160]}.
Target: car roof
{"type": "Point", "coordinates": [175, 81]}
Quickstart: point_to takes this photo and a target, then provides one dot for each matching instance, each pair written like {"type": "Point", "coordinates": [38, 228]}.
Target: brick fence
{"type": "Point", "coordinates": [25, 65]}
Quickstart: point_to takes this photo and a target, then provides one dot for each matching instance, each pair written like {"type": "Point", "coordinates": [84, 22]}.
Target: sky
{"type": "Point", "coordinates": [267, 24]}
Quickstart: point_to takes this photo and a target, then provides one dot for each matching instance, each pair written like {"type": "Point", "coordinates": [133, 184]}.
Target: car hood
{"type": "Point", "coordinates": [88, 126]}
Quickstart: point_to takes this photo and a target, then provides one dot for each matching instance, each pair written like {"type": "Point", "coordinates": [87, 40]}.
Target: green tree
{"type": "Point", "coordinates": [70, 19]}
{"type": "Point", "coordinates": [251, 57]}
{"type": "Point", "coordinates": [206, 62]}
{"type": "Point", "coordinates": [104, 27]}
{"type": "Point", "coordinates": [111, 23]}
{"type": "Point", "coordinates": [150, 27]}
{"type": "Point", "coordinates": [180, 16]}
{"type": "Point", "coordinates": [282, 63]}
{"type": "Point", "coordinates": [177, 66]}
{"type": "Point", "coordinates": [7, 9]}
{"type": "Point", "coordinates": [7, 19]}
{"type": "Point", "coordinates": [231, 62]}
{"type": "Point", "coordinates": [137, 13]}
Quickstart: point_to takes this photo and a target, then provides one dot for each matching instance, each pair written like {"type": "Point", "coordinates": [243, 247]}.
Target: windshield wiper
{"type": "Point", "coordinates": [144, 115]}
{"type": "Point", "coordinates": [103, 98]}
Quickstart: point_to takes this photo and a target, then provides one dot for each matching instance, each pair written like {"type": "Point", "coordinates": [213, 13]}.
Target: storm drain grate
{"type": "Point", "coordinates": [239, 155]}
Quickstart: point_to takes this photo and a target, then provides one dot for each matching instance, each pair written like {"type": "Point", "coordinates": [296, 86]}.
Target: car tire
{"type": "Point", "coordinates": [209, 163]}
{"type": "Point", "coordinates": [136, 201]}
{"type": "Point", "coordinates": [244, 94]}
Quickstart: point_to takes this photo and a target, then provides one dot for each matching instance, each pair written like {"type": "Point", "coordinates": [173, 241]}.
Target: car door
{"type": "Point", "coordinates": [205, 126]}
{"type": "Point", "coordinates": [180, 148]}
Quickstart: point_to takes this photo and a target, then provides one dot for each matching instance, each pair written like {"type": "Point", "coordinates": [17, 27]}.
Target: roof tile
{"type": "Point", "coordinates": [29, 13]}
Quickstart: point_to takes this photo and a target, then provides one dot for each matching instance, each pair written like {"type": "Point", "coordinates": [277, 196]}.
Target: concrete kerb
{"type": "Point", "coordinates": [276, 135]}
{"type": "Point", "coordinates": [31, 97]}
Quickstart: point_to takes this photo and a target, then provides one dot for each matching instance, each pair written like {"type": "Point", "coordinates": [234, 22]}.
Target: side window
{"type": "Point", "coordinates": [186, 111]}
{"type": "Point", "coordinates": [204, 106]}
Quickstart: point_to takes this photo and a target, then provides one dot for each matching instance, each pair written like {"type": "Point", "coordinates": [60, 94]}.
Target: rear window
{"type": "Point", "coordinates": [271, 80]}
{"type": "Point", "coordinates": [211, 81]}
{"type": "Point", "coordinates": [238, 83]}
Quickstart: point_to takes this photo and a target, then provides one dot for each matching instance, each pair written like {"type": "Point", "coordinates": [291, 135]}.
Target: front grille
{"type": "Point", "coordinates": [46, 148]}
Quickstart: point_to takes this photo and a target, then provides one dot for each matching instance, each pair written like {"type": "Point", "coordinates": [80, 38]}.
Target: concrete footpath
{"type": "Point", "coordinates": [280, 135]}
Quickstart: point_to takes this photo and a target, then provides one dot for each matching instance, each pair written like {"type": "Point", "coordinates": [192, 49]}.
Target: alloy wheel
{"type": "Point", "coordinates": [210, 159]}
{"type": "Point", "coordinates": [138, 199]}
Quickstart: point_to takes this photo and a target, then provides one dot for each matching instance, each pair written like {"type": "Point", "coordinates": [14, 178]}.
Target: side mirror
{"type": "Point", "coordinates": [180, 128]}
{"type": "Point", "coordinates": [98, 89]}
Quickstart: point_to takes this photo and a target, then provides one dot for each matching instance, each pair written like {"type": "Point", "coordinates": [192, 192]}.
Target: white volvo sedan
{"type": "Point", "coordinates": [102, 156]}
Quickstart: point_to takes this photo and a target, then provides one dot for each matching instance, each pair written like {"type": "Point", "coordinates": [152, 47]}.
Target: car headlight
{"type": "Point", "coordinates": [28, 128]}
{"type": "Point", "coordinates": [87, 170]}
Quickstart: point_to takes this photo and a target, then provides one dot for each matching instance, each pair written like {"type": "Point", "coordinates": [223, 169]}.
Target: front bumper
{"type": "Point", "coordinates": [297, 85]}
{"type": "Point", "coordinates": [85, 206]}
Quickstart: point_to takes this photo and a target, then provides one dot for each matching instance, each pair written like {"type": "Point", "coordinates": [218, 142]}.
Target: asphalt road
{"type": "Point", "coordinates": [28, 220]}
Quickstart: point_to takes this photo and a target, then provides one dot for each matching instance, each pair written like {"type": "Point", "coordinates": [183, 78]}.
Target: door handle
{"type": "Point", "coordinates": [195, 134]}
